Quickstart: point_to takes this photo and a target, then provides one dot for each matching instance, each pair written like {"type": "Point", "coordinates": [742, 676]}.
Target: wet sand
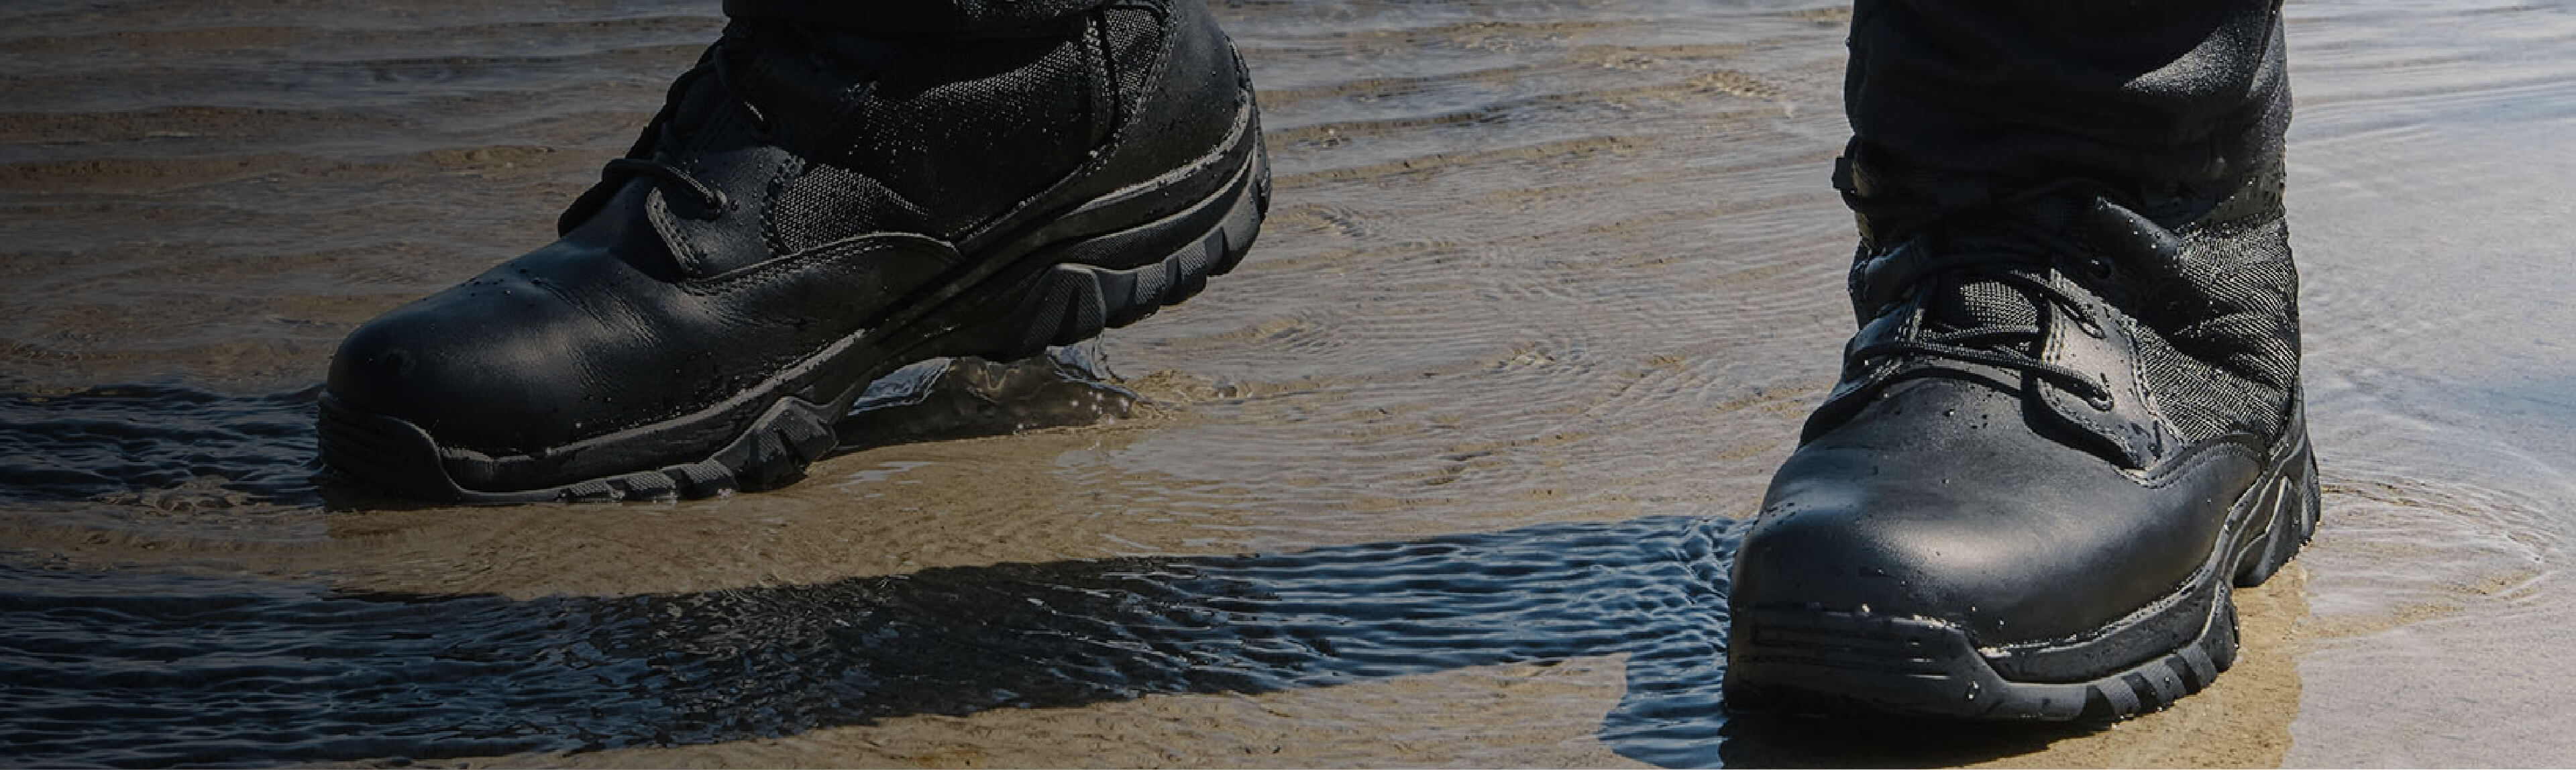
{"type": "Point", "coordinates": [1443, 475]}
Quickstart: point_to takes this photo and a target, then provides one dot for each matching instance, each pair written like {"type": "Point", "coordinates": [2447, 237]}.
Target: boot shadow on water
{"type": "Point", "coordinates": [179, 669]}
{"type": "Point", "coordinates": [156, 668]}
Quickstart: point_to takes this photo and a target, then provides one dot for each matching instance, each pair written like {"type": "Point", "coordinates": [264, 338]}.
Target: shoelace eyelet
{"type": "Point", "coordinates": [714, 208]}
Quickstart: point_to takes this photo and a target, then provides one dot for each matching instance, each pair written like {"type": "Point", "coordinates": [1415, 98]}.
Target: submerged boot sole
{"type": "Point", "coordinates": [1056, 292]}
{"type": "Point", "coordinates": [1824, 660]}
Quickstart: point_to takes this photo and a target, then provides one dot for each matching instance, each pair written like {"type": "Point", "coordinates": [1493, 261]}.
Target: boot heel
{"type": "Point", "coordinates": [1072, 302]}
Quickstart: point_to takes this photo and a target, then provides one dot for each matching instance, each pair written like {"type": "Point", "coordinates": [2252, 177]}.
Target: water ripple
{"type": "Point", "coordinates": [129, 669]}
{"type": "Point", "coordinates": [128, 440]}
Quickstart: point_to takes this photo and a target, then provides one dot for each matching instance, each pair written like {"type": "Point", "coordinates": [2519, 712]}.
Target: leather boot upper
{"type": "Point", "coordinates": [2058, 389]}
{"type": "Point", "coordinates": [796, 183]}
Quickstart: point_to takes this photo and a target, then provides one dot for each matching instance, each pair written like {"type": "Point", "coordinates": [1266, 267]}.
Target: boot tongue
{"type": "Point", "coordinates": [1985, 303]}
{"type": "Point", "coordinates": [706, 101]}
{"type": "Point", "coordinates": [1968, 300]}
{"type": "Point", "coordinates": [1982, 303]}
{"type": "Point", "coordinates": [795, 77]}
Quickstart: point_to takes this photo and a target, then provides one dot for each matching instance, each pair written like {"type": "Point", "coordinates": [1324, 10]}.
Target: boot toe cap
{"type": "Point", "coordinates": [1864, 559]}
{"type": "Point", "coordinates": [2000, 532]}
{"type": "Point", "coordinates": [473, 373]}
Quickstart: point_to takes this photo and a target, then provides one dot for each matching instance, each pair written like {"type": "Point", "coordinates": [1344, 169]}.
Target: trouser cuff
{"type": "Point", "coordinates": [2182, 92]}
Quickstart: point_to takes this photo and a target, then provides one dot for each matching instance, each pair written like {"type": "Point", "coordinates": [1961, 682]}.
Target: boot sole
{"type": "Point", "coordinates": [1822, 661]}
{"type": "Point", "coordinates": [1058, 293]}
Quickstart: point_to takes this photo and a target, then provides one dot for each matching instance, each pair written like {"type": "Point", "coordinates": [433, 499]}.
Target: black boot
{"type": "Point", "coordinates": [2070, 421]}
{"type": "Point", "coordinates": [813, 208]}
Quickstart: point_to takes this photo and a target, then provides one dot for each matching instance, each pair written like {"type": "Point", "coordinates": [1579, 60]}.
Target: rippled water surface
{"type": "Point", "coordinates": [1446, 473]}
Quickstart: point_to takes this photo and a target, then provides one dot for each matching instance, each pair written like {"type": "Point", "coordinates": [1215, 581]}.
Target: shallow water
{"type": "Point", "coordinates": [1444, 474]}
{"type": "Point", "coordinates": [2431, 169]}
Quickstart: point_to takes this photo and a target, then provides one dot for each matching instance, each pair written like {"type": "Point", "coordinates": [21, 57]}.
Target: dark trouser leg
{"type": "Point", "coordinates": [1954, 101]}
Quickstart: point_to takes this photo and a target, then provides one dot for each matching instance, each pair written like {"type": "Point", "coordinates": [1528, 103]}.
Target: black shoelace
{"type": "Point", "coordinates": [2018, 255]}
{"type": "Point", "coordinates": [710, 202]}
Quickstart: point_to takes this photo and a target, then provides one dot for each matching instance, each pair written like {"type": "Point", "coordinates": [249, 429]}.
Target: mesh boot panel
{"type": "Point", "coordinates": [2226, 357]}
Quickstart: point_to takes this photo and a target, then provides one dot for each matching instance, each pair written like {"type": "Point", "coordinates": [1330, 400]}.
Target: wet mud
{"type": "Point", "coordinates": [1447, 473]}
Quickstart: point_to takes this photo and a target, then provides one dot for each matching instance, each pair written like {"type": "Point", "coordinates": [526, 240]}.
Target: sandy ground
{"type": "Point", "coordinates": [1536, 276]}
